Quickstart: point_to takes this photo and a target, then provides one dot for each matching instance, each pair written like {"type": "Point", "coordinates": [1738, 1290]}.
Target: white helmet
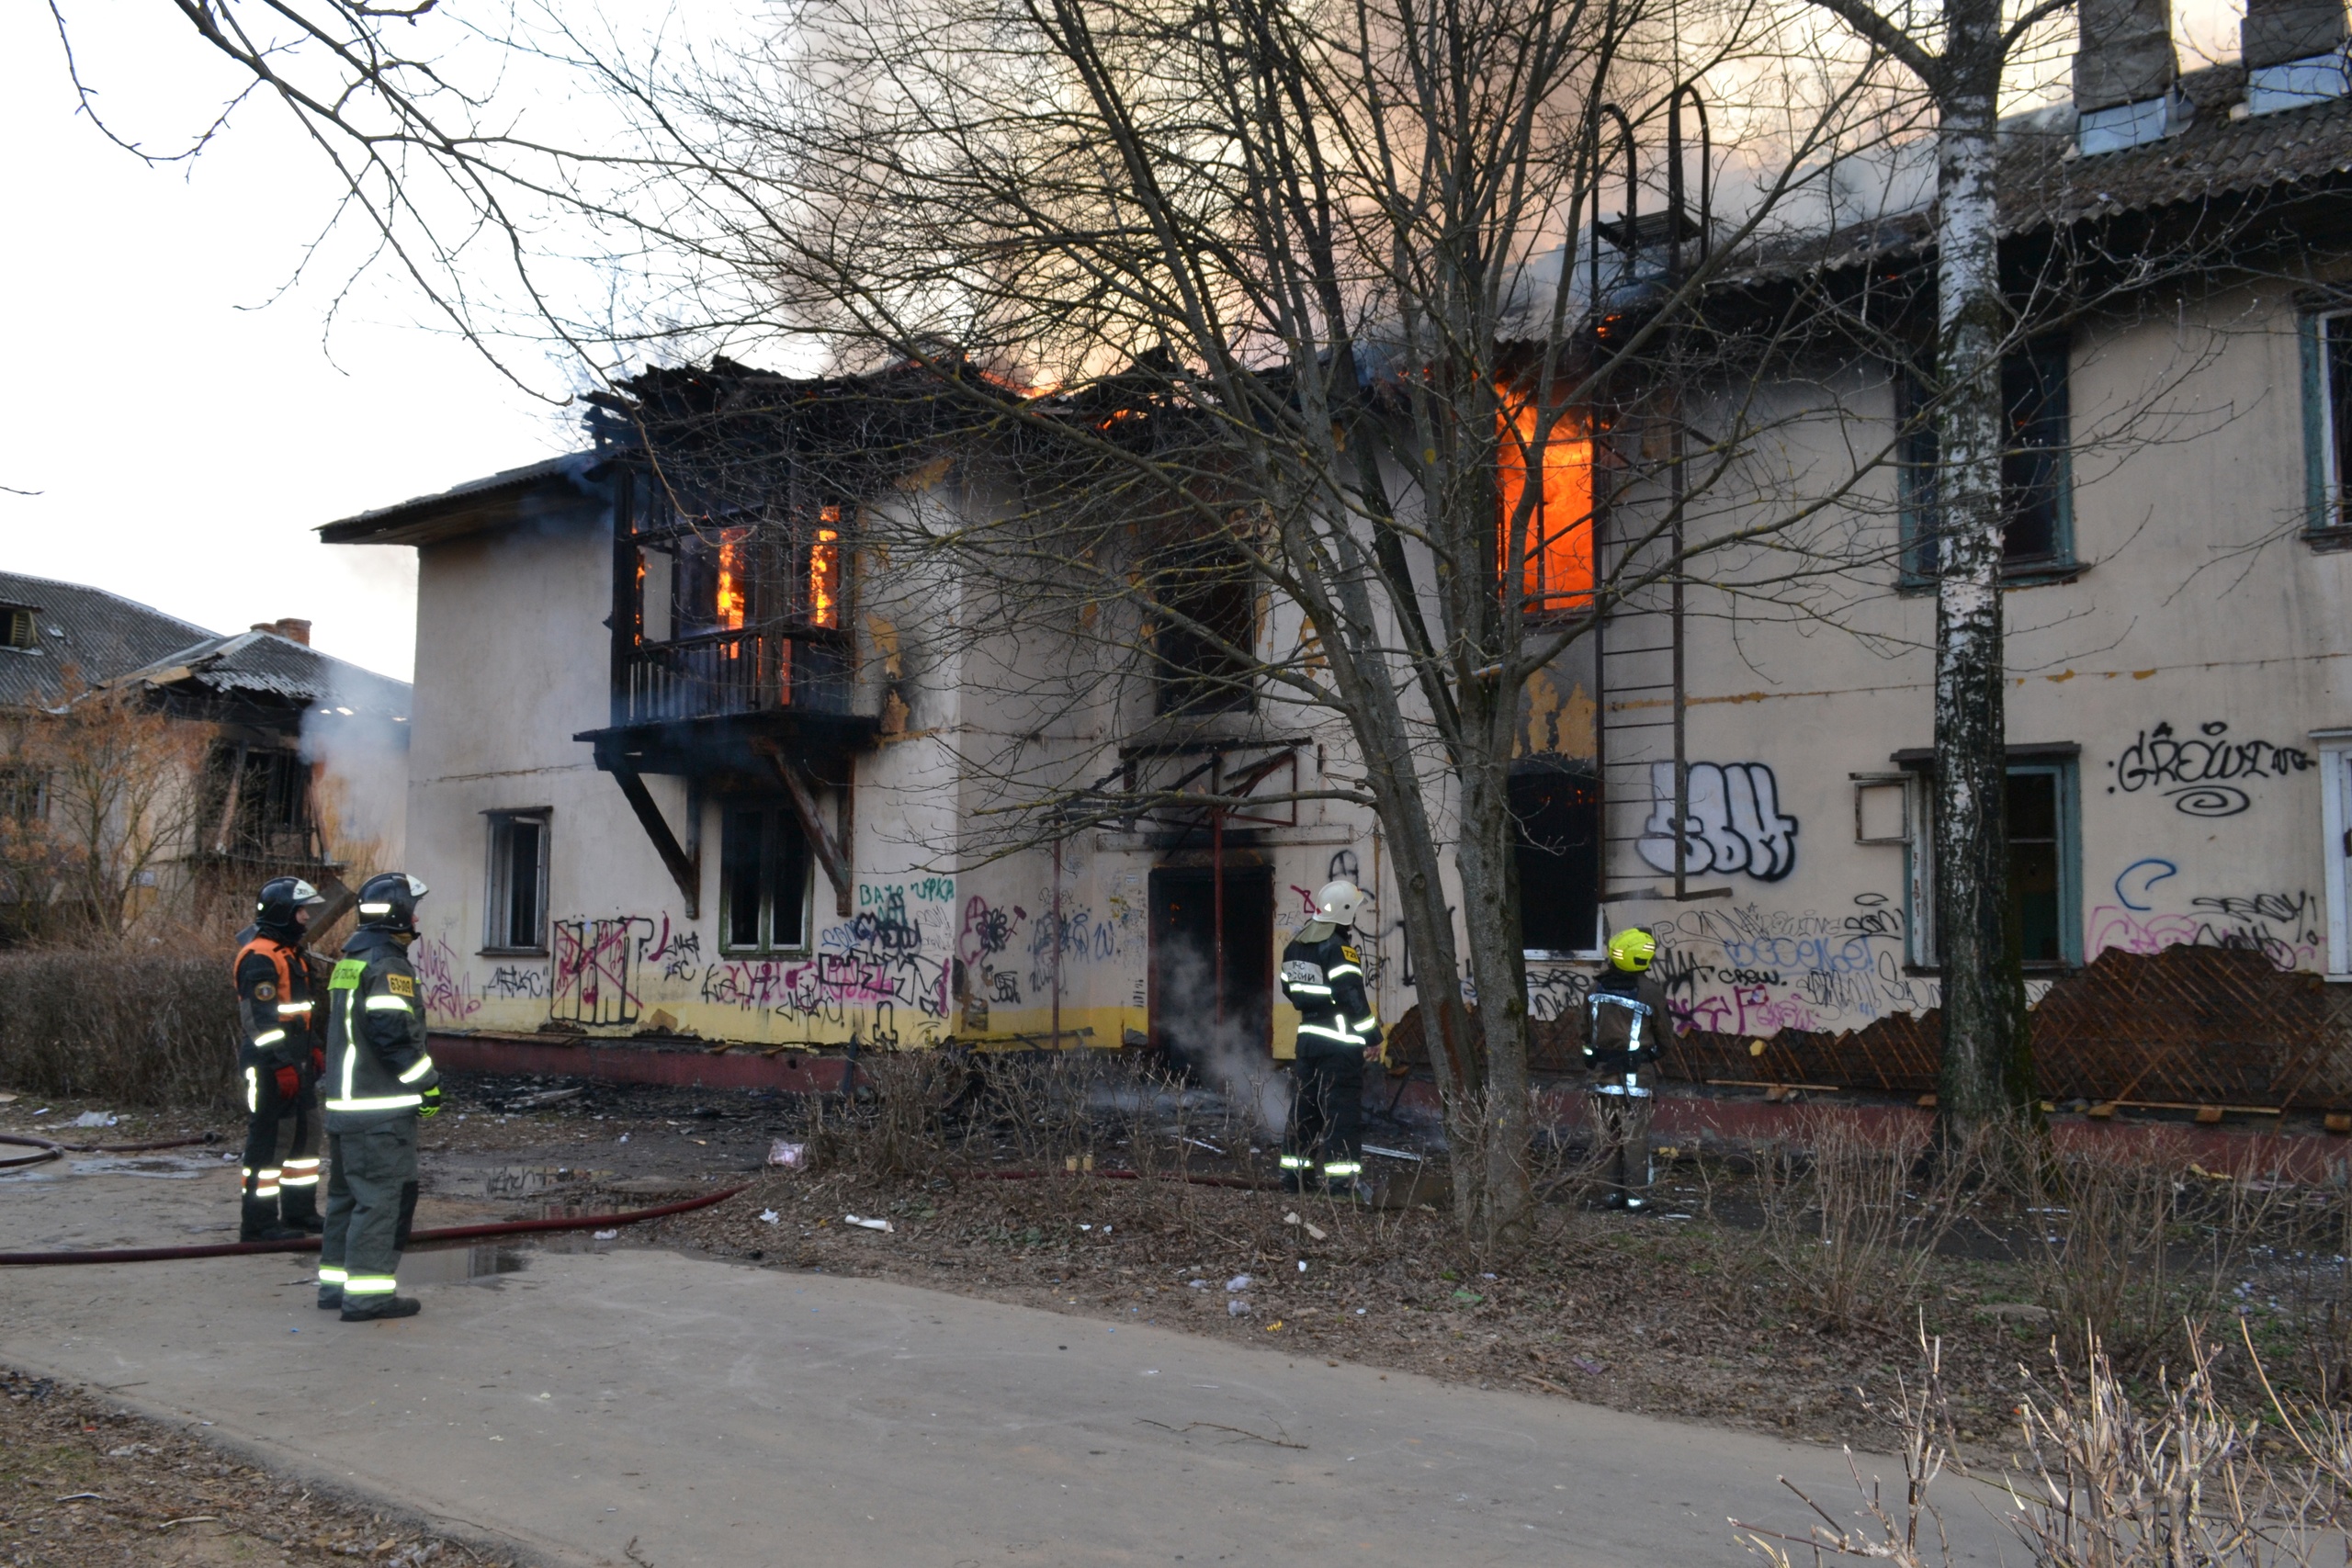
{"type": "Point", "coordinates": [1340, 903]}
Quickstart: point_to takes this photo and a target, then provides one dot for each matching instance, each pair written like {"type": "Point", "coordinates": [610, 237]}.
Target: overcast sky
{"type": "Point", "coordinates": [184, 433]}
{"type": "Point", "coordinates": [184, 423]}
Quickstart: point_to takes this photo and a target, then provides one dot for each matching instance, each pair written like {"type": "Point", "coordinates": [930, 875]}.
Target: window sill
{"type": "Point", "coordinates": [2328, 541]}
{"type": "Point", "coordinates": [763, 953]}
{"type": "Point", "coordinates": [511, 953]}
{"type": "Point", "coordinates": [1561, 955]}
{"type": "Point", "coordinates": [2025, 574]}
{"type": "Point", "coordinates": [2052, 969]}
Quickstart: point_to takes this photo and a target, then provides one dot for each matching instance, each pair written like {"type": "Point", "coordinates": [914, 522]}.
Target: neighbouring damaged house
{"type": "Point", "coordinates": [295, 760]}
{"type": "Point", "coordinates": [685, 766]}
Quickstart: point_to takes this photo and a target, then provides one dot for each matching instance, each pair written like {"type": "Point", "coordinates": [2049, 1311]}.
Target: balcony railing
{"type": "Point", "coordinates": [731, 673]}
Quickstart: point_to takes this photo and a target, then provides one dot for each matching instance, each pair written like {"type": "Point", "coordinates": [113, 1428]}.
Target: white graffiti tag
{"type": "Point", "coordinates": [1734, 823]}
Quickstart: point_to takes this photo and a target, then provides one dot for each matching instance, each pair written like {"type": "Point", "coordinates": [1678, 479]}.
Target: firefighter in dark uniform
{"type": "Point", "coordinates": [378, 1082]}
{"type": "Point", "coordinates": [279, 1055]}
{"type": "Point", "coordinates": [1626, 1024]}
{"type": "Point", "coordinates": [1338, 1032]}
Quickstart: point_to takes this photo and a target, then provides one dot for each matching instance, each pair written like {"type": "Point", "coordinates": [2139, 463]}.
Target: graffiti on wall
{"type": "Point", "coordinates": [2203, 774]}
{"type": "Point", "coordinates": [2284, 927]}
{"type": "Point", "coordinates": [446, 990]}
{"type": "Point", "coordinates": [593, 967]}
{"type": "Point", "coordinates": [1735, 825]}
{"type": "Point", "coordinates": [1754, 971]}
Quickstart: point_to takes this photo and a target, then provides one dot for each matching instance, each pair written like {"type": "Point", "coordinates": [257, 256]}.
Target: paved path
{"type": "Point", "coordinates": [736, 1418]}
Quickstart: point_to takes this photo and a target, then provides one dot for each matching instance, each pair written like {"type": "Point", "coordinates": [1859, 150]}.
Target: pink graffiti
{"type": "Point", "coordinates": [592, 970]}
{"type": "Point", "coordinates": [1305, 898]}
{"type": "Point", "coordinates": [1749, 1010]}
{"type": "Point", "coordinates": [447, 996]}
{"type": "Point", "coordinates": [2134, 932]}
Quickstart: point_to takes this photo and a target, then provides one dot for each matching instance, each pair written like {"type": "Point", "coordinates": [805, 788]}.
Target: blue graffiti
{"type": "Point", "coordinates": [2134, 884]}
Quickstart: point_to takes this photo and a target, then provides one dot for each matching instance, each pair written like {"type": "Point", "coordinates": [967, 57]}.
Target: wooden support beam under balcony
{"type": "Point", "coordinates": [832, 853]}
{"type": "Point", "coordinates": [685, 867]}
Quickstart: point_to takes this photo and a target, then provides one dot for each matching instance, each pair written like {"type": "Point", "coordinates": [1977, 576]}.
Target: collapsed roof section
{"type": "Point", "coordinates": [266, 672]}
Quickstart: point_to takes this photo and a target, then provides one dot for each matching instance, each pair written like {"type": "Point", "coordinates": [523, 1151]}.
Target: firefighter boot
{"type": "Point", "coordinates": [298, 1209]}
{"type": "Point", "coordinates": [258, 1220]}
{"type": "Point", "coordinates": [379, 1306]}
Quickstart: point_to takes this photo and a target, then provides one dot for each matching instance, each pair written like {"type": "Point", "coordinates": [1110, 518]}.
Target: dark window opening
{"type": "Point", "coordinates": [1557, 805]}
{"type": "Point", "coordinates": [2034, 470]}
{"type": "Point", "coordinates": [763, 880]}
{"type": "Point", "coordinates": [20, 630]}
{"type": "Point", "coordinates": [257, 804]}
{"type": "Point", "coordinates": [2337, 344]}
{"type": "Point", "coordinates": [2035, 848]}
{"type": "Point", "coordinates": [24, 793]}
{"type": "Point", "coordinates": [519, 882]}
{"type": "Point", "coordinates": [1207, 630]}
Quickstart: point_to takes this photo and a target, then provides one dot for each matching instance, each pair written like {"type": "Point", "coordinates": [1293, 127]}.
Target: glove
{"type": "Point", "coordinates": [289, 1083]}
{"type": "Point", "coordinates": [432, 1106]}
{"type": "Point", "coordinates": [317, 1060]}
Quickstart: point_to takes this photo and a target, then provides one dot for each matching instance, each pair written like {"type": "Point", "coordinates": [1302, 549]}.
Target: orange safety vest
{"type": "Point", "coordinates": [284, 958]}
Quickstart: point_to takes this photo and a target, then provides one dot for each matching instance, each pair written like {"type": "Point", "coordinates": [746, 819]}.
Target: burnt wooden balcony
{"type": "Point", "coordinates": [731, 675]}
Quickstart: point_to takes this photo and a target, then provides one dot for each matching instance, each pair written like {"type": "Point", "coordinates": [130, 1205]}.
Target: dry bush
{"type": "Point", "coordinates": [2176, 1479]}
{"type": "Point", "coordinates": [2127, 1243]}
{"type": "Point", "coordinates": [135, 1029]}
{"type": "Point", "coordinates": [1854, 1212]}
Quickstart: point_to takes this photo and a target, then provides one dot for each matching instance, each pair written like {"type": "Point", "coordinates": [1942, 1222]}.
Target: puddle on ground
{"type": "Point", "coordinates": [165, 1167]}
{"type": "Point", "coordinates": [475, 1262]}
{"type": "Point", "coordinates": [514, 1180]}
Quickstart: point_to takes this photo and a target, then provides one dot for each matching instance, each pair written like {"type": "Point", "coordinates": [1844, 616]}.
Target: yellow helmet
{"type": "Point", "coordinates": [1632, 949]}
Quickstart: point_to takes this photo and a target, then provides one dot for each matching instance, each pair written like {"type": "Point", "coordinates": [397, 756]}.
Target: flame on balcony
{"type": "Point", "coordinates": [730, 598]}
{"type": "Point", "coordinates": [825, 570]}
{"type": "Point", "coordinates": [1558, 571]}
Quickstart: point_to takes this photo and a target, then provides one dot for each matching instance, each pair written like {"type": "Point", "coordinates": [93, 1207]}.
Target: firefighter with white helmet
{"type": "Point", "coordinates": [1626, 1024]}
{"type": "Point", "coordinates": [1338, 1029]}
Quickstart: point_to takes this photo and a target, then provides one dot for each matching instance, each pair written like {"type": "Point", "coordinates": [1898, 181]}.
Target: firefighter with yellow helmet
{"type": "Point", "coordinates": [1626, 1024]}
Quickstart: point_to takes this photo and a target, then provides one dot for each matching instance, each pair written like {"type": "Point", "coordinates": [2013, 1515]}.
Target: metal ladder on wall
{"type": "Point", "coordinates": [1643, 768]}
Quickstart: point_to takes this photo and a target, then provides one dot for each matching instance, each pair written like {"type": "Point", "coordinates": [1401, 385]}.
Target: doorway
{"type": "Point", "coordinates": [1187, 1025]}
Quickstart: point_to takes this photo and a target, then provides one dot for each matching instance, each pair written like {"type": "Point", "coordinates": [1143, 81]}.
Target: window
{"type": "Point", "coordinates": [518, 883]}
{"type": "Point", "coordinates": [1557, 805]}
{"type": "Point", "coordinates": [1204, 643]}
{"type": "Point", "coordinates": [256, 804]}
{"type": "Point", "coordinates": [18, 625]}
{"type": "Point", "coordinates": [23, 793]}
{"type": "Point", "coordinates": [2045, 860]}
{"type": "Point", "coordinates": [763, 880]}
{"type": "Point", "coordinates": [2036, 480]}
{"type": "Point", "coordinates": [1557, 570]}
{"type": "Point", "coordinates": [2327, 418]}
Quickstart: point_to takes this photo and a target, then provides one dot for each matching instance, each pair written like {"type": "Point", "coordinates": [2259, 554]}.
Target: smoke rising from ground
{"type": "Point", "coordinates": [1229, 1055]}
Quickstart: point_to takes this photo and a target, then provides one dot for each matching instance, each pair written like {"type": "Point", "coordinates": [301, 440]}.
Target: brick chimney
{"type": "Point", "coordinates": [2124, 75]}
{"type": "Point", "coordinates": [290, 628]}
{"type": "Point", "coordinates": [2293, 52]}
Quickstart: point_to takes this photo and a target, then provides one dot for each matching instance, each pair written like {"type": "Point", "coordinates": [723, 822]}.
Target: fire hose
{"type": "Point", "coordinates": [47, 1149]}
{"type": "Point", "coordinates": [310, 1243]}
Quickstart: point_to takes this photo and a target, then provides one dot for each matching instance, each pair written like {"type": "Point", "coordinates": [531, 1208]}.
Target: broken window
{"type": "Point", "coordinates": [257, 803]}
{"type": "Point", "coordinates": [1207, 627]}
{"type": "Point", "coordinates": [1556, 804]}
{"type": "Point", "coordinates": [763, 880]}
{"type": "Point", "coordinates": [1557, 570]}
{"type": "Point", "coordinates": [517, 903]}
{"type": "Point", "coordinates": [2036, 479]}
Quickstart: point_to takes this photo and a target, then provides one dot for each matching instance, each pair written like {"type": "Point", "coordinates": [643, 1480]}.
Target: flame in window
{"type": "Point", "coordinates": [825, 570]}
{"type": "Point", "coordinates": [730, 597]}
{"type": "Point", "coordinates": [1558, 546]}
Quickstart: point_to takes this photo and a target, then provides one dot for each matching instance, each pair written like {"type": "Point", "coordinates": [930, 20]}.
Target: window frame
{"type": "Point", "coordinates": [1916, 464]}
{"type": "Point", "coordinates": [498, 931]}
{"type": "Point", "coordinates": [24, 617]}
{"type": "Point", "coordinates": [772, 814]}
{"type": "Point", "coordinates": [1922, 949]}
{"type": "Point", "coordinates": [2325, 524]}
{"type": "Point", "coordinates": [1544, 766]}
{"type": "Point", "coordinates": [2334, 748]}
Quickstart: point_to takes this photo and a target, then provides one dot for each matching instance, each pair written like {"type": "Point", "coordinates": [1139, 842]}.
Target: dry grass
{"type": "Point", "coordinates": [127, 1028]}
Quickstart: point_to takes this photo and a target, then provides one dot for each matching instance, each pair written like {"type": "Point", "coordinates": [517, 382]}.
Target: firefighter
{"type": "Point", "coordinates": [1626, 1022]}
{"type": "Point", "coordinates": [278, 1054]}
{"type": "Point", "coordinates": [1337, 1033]}
{"type": "Point", "coordinates": [378, 1082]}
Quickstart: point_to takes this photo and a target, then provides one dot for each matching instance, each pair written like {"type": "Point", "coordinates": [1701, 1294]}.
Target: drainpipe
{"type": "Point", "coordinates": [1058, 943]}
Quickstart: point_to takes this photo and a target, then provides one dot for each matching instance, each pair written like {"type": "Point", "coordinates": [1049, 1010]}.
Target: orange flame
{"type": "Point", "coordinates": [730, 579]}
{"type": "Point", "coordinates": [825, 572]}
{"type": "Point", "coordinates": [1557, 574]}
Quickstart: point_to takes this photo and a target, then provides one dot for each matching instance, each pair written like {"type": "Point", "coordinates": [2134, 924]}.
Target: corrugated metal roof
{"type": "Point", "coordinates": [265, 664]}
{"type": "Point", "coordinates": [102, 635]}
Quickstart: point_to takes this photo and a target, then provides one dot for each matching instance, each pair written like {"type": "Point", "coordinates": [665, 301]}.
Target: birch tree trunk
{"type": "Point", "coordinates": [1987, 1067]}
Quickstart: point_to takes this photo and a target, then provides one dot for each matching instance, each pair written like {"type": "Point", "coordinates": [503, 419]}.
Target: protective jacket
{"type": "Point", "coordinates": [1625, 1021]}
{"type": "Point", "coordinates": [275, 1005]}
{"type": "Point", "coordinates": [377, 1070]}
{"type": "Point", "coordinates": [1324, 980]}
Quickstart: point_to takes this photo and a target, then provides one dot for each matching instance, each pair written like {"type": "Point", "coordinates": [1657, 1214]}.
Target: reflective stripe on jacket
{"type": "Point", "coordinates": [1324, 980]}
{"type": "Point", "coordinates": [274, 1011]}
{"type": "Point", "coordinates": [376, 1064]}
